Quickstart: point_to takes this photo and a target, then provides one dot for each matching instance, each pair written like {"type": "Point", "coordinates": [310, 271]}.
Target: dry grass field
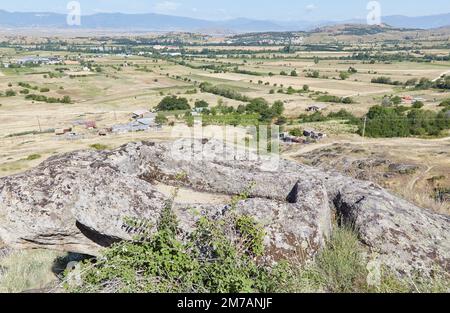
{"type": "Point", "coordinates": [128, 82]}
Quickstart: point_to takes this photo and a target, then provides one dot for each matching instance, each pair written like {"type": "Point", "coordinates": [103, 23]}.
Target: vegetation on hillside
{"type": "Point", "coordinates": [224, 257]}
{"type": "Point", "coordinates": [400, 122]}
{"type": "Point", "coordinates": [173, 103]}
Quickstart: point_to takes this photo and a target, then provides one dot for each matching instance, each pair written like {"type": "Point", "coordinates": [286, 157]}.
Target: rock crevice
{"type": "Point", "coordinates": [78, 201]}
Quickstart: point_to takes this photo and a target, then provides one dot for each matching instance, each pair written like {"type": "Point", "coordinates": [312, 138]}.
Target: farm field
{"type": "Point", "coordinates": [107, 88]}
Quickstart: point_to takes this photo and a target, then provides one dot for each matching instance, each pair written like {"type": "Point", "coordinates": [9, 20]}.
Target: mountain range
{"type": "Point", "coordinates": [161, 22]}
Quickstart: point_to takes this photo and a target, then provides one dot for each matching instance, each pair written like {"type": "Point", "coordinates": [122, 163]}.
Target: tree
{"type": "Point", "coordinates": [296, 132]}
{"type": "Point", "coordinates": [294, 73]}
{"type": "Point", "coordinates": [10, 93]}
{"type": "Point", "coordinates": [347, 100]}
{"type": "Point", "coordinates": [161, 119]}
{"type": "Point", "coordinates": [173, 103]}
{"type": "Point", "coordinates": [282, 120]}
{"type": "Point", "coordinates": [278, 108]}
{"type": "Point", "coordinates": [257, 105]}
{"type": "Point", "coordinates": [344, 75]}
{"type": "Point", "coordinates": [396, 100]}
{"type": "Point", "coordinates": [314, 74]}
{"type": "Point", "coordinates": [305, 88]}
{"type": "Point", "coordinates": [66, 100]}
{"type": "Point", "coordinates": [316, 60]}
{"type": "Point", "coordinates": [201, 104]}
{"type": "Point", "coordinates": [386, 122]}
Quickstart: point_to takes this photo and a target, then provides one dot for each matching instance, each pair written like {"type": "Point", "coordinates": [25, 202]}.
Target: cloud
{"type": "Point", "coordinates": [311, 7]}
{"type": "Point", "coordinates": [166, 6]}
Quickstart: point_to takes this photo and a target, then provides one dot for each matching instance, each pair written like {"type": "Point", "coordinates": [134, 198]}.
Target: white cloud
{"type": "Point", "coordinates": [166, 6]}
{"type": "Point", "coordinates": [311, 7]}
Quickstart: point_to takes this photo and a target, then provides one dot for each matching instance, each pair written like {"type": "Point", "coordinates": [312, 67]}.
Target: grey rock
{"type": "Point", "coordinates": [78, 202]}
{"type": "Point", "coordinates": [403, 168]}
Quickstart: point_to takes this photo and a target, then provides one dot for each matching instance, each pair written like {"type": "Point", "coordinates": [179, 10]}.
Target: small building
{"type": "Point", "coordinates": [199, 110]}
{"type": "Point", "coordinates": [316, 108]}
{"type": "Point", "coordinates": [407, 98]}
{"type": "Point", "coordinates": [138, 114]}
{"type": "Point", "coordinates": [62, 131]}
{"type": "Point", "coordinates": [104, 132]}
{"type": "Point", "coordinates": [314, 135]}
{"type": "Point", "coordinates": [90, 124]}
{"type": "Point", "coordinates": [39, 60]}
{"type": "Point", "coordinates": [146, 121]}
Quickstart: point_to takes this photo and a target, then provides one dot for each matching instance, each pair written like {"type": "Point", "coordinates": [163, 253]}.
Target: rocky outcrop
{"type": "Point", "coordinates": [78, 202]}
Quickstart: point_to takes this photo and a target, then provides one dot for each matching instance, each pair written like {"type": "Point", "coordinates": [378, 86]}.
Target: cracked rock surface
{"type": "Point", "coordinates": [78, 202]}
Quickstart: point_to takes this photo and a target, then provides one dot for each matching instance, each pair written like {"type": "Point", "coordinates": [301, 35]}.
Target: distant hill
{"type": "Point", "coordinates": [424, 22]}
{"type": "Point", "coordinates": [160, 22]}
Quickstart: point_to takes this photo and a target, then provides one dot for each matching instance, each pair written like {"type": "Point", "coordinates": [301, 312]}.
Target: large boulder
{"type": "Point", "coordinates": [79, 202]}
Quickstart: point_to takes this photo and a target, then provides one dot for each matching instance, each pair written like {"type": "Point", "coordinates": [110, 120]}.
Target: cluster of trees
{"type": "Point", "coordinates": [9, 93]}
{"type": "Point", "coordinates": [340, 115]}
{"type": "Point", "coordinates": [390, 57]}
{"type": "Point", "coordinates": [28, 86]}
{"type": "Point", "coordinates": [290, 90]}
{"type": "Point", "coordinates": [423, 83]}
{"type": "Point", "coordinates": [224, 92]}
{"type": "Point", "coordinates": [266, 111]}
{"type": "Point", "coordinates": [385, 80]}
{"type": "Point", "coordinates": [173, 103]}
{"type": "Point", "coordinates": [313, 74]}
{"type": "Point", "coordinates": [259, 108]}
{"type": "Point", "coordinates": [403, 122]}
{"type": "Point", "coordinates": [284, 73]}
{"type": "Point", "coordinates": [442, 83]}
{"type": "Point", "coordinates": [41, 98]}
{"type": "Point", "coordinates": [335, 99]}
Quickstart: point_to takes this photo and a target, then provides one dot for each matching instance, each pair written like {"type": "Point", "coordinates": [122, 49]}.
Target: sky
{"type": "Point", "coordinates": [228, 9]}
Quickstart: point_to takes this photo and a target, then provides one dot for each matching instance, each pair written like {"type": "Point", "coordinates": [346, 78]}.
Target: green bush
{"type": "Point", "coordinates": [314, 74]}
{"type": "Point", "coordinates": [10, 93]}
{"type": "Point", "coordinates": [219, 257]}
{"type": "Point", "coordinates": [418, 105]}
{"type": "Point", "coordinates": [385, 122]}
{"type": "Point", "coordinates": [42, 98]}
{"type": "Point", "coordinates": [224, 92]}
{"type": "Point", "coordinates": [33, 157]}
{"type": "Point", "coordinates": [296, 132]}
{"type": "Point", "coordinates": [201, 104]}
{"type": "Point", "coordinates": [161, 119]}
{"type": "Point", "coordinates": [335, 99]}
{"type": "Point", "coordinates": [99, 147]}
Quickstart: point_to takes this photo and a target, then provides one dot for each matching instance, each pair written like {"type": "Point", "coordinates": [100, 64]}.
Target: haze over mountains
{"type": "Point", "coordinates": [160, 22]}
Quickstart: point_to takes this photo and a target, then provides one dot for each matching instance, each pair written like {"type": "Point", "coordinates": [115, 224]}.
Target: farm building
{"type": "Point", "coordinates": [39, 60]}
{"type": "Point", "coordinates": [316, 108]}
{"type": "Point", "coordinates": [90, 124]}
{"type": "Point", "coordinates": [314, 135]}
{"type": "Point", "coordinates": [143, 114]}
{"type": "Point", "coordinates": [288, 138]}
